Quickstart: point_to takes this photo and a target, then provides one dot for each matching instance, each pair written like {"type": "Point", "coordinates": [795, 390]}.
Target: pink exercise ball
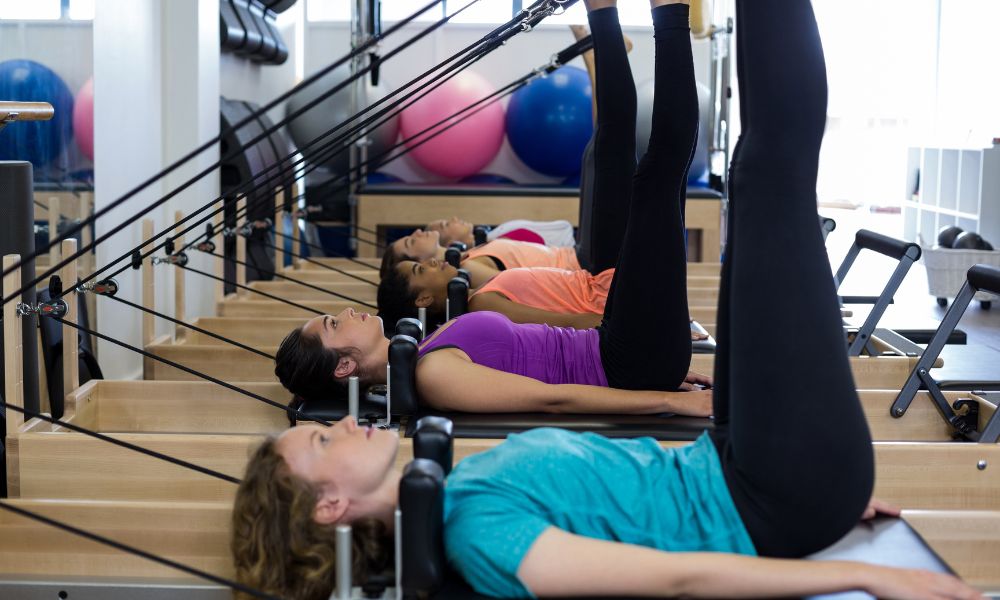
{"type": "Point", "coordinates": [465, 148]}
{"type": "Point", "coordinates": [83, 119]}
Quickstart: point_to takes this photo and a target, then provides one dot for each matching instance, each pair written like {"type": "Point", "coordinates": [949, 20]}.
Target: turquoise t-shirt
{"type": "Point", "coordinates": [634, 491]}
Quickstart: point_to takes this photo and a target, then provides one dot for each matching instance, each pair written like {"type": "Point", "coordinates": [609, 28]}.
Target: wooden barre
{"type": "Point", "coordinates": [25, 111]}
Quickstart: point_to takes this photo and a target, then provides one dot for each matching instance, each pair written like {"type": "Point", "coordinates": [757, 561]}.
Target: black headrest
{"type": "Point", "coordinates": [432, 439]}
{"type": "Point", "coordinates": [458, 297]}
{"type": "Point", "coordinates": [453, 256]}
{"type": "Point", "coordinates": [403, 375]}
{"type": "Point", "coordinates": [421, 502]}
{"type": "Point", "coordinates": [479, 234]}
{"type": "Point", "coordinates": [410, 327]}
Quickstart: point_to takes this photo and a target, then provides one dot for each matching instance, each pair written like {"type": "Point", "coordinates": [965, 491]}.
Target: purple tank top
{"type": "Point", "coordinates": [548, 354]}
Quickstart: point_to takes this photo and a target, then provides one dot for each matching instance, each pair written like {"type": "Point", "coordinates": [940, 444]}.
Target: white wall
{"type": "Point", "coordinates": [128, 146]}
{"type": "Point", "coordinates": [190, 85]}
{"type": "Point", "coordinates": [327, 41]}
{"type": "Point", "coordinates": [156, 96]}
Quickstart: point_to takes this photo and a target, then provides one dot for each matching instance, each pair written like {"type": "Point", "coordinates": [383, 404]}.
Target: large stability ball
{"type": "Point", "coordinates": [381, 178]}
{"type": "Point", "coordinates": [549, 122]}
{"type": "Point", "coordinates": [465, 148]}
{"type": "Point", "coordinates": [331, 112]}
{"type": "Point", "coordinates": [644, 125]}
{"type": "Point", "coordinates": [83, 119]}
{"type": "Point", "coordinates": [487, 178]}
{"type": "Point", "coordinates": [38, 142]}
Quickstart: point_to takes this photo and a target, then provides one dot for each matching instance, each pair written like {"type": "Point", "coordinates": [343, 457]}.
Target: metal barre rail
{"type": "Point", "coordinates": [25, 111]}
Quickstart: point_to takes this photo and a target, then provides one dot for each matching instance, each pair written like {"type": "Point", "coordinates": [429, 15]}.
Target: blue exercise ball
{"type": "Point", "coordinates": [698, 174]}
{"type": "Point", "coordinates": [549, 122]}
{"type": "Point", "coordinates": [487, 178]}
{"type": "Point", "coordinates": [572, 181]}
{"type": "Point", "coordinates": [38, 142]}
{"type": "Point", "coordinates": [380, 178]}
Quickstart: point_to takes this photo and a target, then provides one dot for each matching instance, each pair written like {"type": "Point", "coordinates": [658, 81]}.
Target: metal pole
{"type": "Point", "coordinates": [398, 536]}
{"type": "Point", "coordinates": [360, 34]}
{"type": "Point", "coordinates": [353, 395]}
{"type": "Point", "coordinates": [343, 547]}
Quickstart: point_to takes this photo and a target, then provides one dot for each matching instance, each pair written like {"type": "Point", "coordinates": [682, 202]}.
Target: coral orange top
{"type": "Point", "coordinates": [554, 290]}
{"type": "Point", "coordinates": [515, 254]}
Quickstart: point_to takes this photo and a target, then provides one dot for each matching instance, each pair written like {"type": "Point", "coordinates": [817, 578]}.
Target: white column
{"type": "Point", "coordinates": [156, 88]}
{"type": "Point", "coordinates": [128, 143]}
{"type": "Point", "coordinates": [190, 94]}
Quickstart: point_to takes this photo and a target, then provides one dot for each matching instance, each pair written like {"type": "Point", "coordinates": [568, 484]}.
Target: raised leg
{"type": "Point", "coordinates": [794, 442]}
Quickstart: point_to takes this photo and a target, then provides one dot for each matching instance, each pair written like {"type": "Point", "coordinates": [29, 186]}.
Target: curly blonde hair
{"type": "Point", "coordinates": [277, 546]}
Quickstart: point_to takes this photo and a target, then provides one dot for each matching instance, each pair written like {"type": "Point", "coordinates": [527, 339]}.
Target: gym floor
{"type": "Point", "coordinates": [914, 307]}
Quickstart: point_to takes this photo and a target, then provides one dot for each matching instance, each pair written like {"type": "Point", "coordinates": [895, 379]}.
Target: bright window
{"type": "Point", "coordinates": [881, 76]}
{"type": "Point", "coordinates": [47, 10]}
{"type": "Point", "coordinates": [397, 10]}
{"type": "Point", "coordinates": [328, 10]}
{"type": "Point", "coordinates": [967, 108]}
{"type": "Point", "coordinates": [81, 10]}
{"type": "Point", "coordinates": [31, 9]}
{"type": "Point", "coordinates": [483, 11]}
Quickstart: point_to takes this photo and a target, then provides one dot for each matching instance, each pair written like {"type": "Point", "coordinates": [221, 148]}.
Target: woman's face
{"type": "Point", "coordinates": [429, 280]}
{"type": "Point", "coordinates": [350, 329]}
{"type": "Point", "coordinates": [451, 230]}
{"type": "Point", "coordinates": [419, 245]}
{"type": "Point", "coordinates": [347, 460]}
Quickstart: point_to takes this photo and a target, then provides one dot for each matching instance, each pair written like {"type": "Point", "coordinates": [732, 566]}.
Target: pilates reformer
{"type": "Point", "coordinates": [964, 415]}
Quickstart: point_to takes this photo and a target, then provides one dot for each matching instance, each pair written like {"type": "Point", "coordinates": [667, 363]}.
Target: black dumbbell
{"type": "Point", "coordinates": [946, 237]}
{"type": "Point", "coordinates": [971, 240]}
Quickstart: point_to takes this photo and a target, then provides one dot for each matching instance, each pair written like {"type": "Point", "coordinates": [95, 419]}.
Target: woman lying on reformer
{"type": "Point", "coordinates": [549, 233]}
{"type": "Point", "coordinates": [482, 262]}
{"type": "Point", "coordinates": [551, 513]}
{"type": "Point", "coordinates": [556, 297]}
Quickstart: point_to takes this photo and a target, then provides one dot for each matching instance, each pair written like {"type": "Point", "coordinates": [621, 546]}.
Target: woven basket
{"type": "Point", "coordinates": [946, 269]}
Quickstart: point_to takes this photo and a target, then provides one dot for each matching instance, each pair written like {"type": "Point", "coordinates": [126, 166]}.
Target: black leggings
{"type": "Point", "coordinates": [609, 159]}
{"type": "Point", "coordinates": [649, 290]}
{"type": "Point", "coordinates": [794, 443]}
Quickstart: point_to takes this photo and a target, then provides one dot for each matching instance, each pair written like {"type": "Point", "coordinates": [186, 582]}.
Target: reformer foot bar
{"type": "Point", "coordinates": [961, 415]}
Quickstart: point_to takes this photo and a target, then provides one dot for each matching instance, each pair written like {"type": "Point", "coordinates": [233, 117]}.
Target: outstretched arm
{"type": "Point", "coordinates": [448, 380]}
{"type": "Point", "coordinates": [520, 313]}
{"type": "Point", "coordinates": [563, 564]}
